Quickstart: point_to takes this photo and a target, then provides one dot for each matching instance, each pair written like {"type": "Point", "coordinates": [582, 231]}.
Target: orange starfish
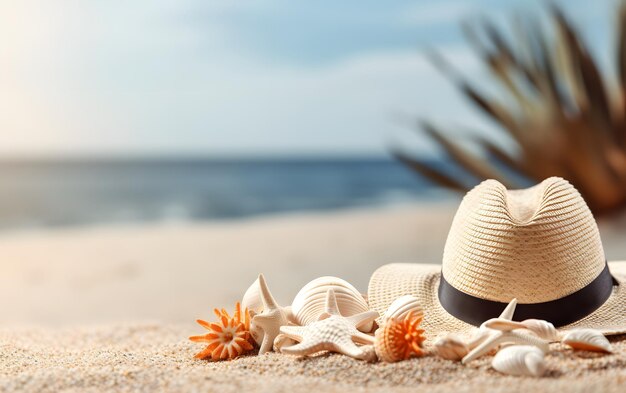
{"type": "Point", "coordinates": [227, 340]}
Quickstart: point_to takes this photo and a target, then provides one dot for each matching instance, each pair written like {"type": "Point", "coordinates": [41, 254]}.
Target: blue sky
{"type": "Point", "coordinates": [156, 77]}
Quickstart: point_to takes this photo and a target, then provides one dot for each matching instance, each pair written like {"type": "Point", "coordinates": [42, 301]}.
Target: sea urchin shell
{"type": "Point", "coordinates": [228, 338]}
{"type": "Point", "coordinates": [400, 339]}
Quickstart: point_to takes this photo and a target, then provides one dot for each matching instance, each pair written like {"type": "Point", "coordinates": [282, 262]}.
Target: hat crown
{"type": "Point", "coordinates": [537, 244]}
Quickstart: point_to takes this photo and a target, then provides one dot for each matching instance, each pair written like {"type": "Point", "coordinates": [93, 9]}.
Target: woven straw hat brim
{"type": "Point", "coordinates": [422, 281]}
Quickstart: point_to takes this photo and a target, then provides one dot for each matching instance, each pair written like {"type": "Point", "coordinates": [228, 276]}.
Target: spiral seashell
{"type": "Point", "coordinates": [399, 339]}
{"type": "Point", "coordinates": [525, 360]}
{"type": "Point", "coordinates": [400, 308]}
{"type": "Point", "coordinates": [541, 328]}
{"type": "Point", "coordinates": [309, 304]}
{"type": "Point", "coordinates": [587, 340]}
{"type": "Point", "coordinates": [450, 347]}
{"type": "Point", "coordinates": [252, 298]}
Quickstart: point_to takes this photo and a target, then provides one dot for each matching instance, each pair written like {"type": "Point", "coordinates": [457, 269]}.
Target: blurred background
{"type": "Point", "coordinates": [140, 137]}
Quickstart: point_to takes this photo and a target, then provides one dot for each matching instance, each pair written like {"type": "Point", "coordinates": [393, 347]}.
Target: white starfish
{"type": "Point", "coordinates": [266, 325]}
{"type": "Point", "coordinates": [332, 332]}
{"type": "Point", "coordinates": [496, 331]}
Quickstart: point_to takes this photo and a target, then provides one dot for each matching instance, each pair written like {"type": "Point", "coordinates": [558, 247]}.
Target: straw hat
{"type": "Point", "coordinates": [540, 245]}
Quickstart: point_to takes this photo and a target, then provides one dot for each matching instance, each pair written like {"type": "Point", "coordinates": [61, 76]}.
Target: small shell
{"type": "Point", "coordinates": [450, 347]}
{"type": "Point", "coordinates": [399, 339]}
{"type": "Point", "coordinates": [525, 360]}
{"type": "Point", "coordinates": [400, 307]}
{"type": "Point", "coordinates": [310, 302]}
{"type": "Point", "coordinates": [541, 328]}
{"type": "Point", "coordinates": [282, 340]}
{"type": "Point", "coordinates": [252, 299]}
{"type": "Point", "coordinates": [587, 340]}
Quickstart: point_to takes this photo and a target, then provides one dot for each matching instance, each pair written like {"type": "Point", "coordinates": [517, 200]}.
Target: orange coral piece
{"type": "Point", "coordinates": [399, 340]}
{"type": "Point", "coordinates": [228, 338]}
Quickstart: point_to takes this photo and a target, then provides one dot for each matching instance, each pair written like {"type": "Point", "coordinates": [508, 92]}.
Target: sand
{"type": "Point", "coordinates": [155, 357]}
{"type": "Point", "coordinates": [109, 308]}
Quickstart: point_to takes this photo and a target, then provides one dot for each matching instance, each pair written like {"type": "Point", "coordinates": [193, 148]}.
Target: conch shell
{"type": "Point", "coordinates": [401, 307]}
{"type": "Point", "coordinates": [309, 304]}
{"type": "Point", "coordinates": [399, 339]}
{"type": "Point", "coordinates": [450, 347]}
{"type": "Point", "coordinates": [587, 340]}
{"type": "Point", "coordinates": [525, 360]}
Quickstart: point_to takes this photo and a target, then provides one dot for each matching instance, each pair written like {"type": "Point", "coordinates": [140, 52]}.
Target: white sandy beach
{"type": "Point", "coordinates": [110, 307]}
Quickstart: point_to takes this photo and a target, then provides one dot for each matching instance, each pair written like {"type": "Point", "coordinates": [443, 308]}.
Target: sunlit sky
{"type": "Point", "coordinates": [281, 77]}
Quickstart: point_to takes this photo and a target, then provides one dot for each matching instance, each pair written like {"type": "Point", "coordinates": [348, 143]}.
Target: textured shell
{"type": "Point", "coordinates": [252, 298]}
{"type": "Point", "coordinates": [520, 360]}
{"type": "Point", "coordinates": [588, 340]}
{"type": "Point", "coordinates": [450, 347]}
{"type": "Point", "coordinates": [399, 340]}
{"type": "Point", "coordinates": [310, 302]}
{"type": "Point", "coordinates": [400, 308]}
{"type": "Point", "coordinates": [541, 328]}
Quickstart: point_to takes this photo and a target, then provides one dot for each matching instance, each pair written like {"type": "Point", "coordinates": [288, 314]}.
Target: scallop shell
{"type": "Point", "coordinates": [525, 360]}
{"type": "Point", "coordinates": [541, 328]}
{"type": "Point", "coordinates": [400, 308]}
{"type": "Point", "coordinates": [588, 340]}
{"type": "Point", "coordinates": [450, 347]}
{"type": "Point", "coordinates": [310, 302]}
{"type": "Point", "coordinates": [252, 298]}
{"type": "Point", "coordinates": [399, 339]}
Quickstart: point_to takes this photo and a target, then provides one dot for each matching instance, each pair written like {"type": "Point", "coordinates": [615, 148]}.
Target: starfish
{"type": "Point", "coordinates": [267, 324]}
{"type": "Point", "coordinates": [332, 332]}
{"type": "Point", "coordinates": [496, 331]}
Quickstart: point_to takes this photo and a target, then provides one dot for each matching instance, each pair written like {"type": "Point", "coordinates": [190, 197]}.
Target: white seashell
{"type": "Point", "coordinates": [450, 347]}
{"type": "Point", "coordinates": [588, 340]}
{"type": "Point", "coordinates": [309, 304]}
{"type": "Point", "coordinates": [525, 360]}
{"type": "Point", "coordinates": [252, 298]}
{"type": "Point", "coordinates": [400, 308]}
{"type": "Point", "coordinates": [282, 340]}
{"type": "Point", "coordinates": [541, 328]}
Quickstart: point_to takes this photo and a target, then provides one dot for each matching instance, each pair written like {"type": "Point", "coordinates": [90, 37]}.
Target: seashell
{"type": "Point", "coordinates": [450, 347]}
{"type": "Point", "coordinates": [400, 308]}
{"type": "Point", "coordinates": [282, 340]}
{"type": "Point", "coordinates": [228, 338]}
{"type": "Point", "coordinates": [525, 360]}
{"type": "Point", "coordinates": [252, 298]}
{"type": "Point", "coordinates": [310, 302]}
{"type": "Point", "coordinates": [587, 340]}
{"type": "Point", "coordinates": [399, 339]}
{"type": "Point", "coordinates": [541, 328]}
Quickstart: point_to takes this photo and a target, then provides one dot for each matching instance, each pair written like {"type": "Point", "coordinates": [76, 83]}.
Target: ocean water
{"type": "Point", "coordinates": [68, 193]}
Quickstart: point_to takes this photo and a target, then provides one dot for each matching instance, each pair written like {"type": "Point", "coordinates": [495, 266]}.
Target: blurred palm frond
{"type": "Point", "coordinates": [564, 116]}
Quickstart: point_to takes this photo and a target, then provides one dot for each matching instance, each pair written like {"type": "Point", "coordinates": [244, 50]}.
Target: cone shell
{"type": "Point", "coordinates": [310, 302]}
{"type": "Point", "coordinates": [524, 360]}
{"type": "Point", "coordinates": [450, 347]}
{"type": "Point", "coordinates": [587, 340]}
{"type": "Point", "coordinates": [401, 307]}
{"type": "Point", "coordinates": [541, 328]}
